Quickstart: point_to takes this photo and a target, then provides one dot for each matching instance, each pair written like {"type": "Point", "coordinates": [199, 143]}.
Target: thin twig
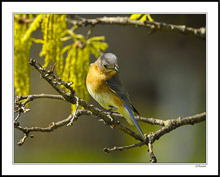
{"type": "Point", "coordinates": [108, 150]}
{"type": "Point", "coordinates": [75, 112]}
{"type": "Point", "coordinates": [38, 96]}
{"type": "Point", "coordinates": [152, 121]}
{"type": "Point", "coordinates": [52, 79]}
{"type": "Point", "coordinates": [153, 159]}
{"type": "Point", "coordinates": [52, 126]}
{"type": "Point", "coordinates": [89, 33]}
{"type": "Point", "coordinates": [20, 106]}
{"type": "Point", "coordinates": [22, 140]}
{"type": "Point", "coordinates": [19, 114]}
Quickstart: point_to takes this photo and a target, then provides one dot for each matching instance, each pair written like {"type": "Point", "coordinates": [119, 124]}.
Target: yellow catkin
{"type": "Point", "coordinates": [66, 73]}
{"type": "Point", "coordinates": [79, 72]}
{"type": "Point", "coordinates": [33, 27]}
{"type": "Point", "coordinates": [141, 17]}
{"type": "Point", "coordinates": [21, 55]}
{"type": "Point", "coordinates": [60, 30]}
{"type": "Point", "coordinates": [53, 28]}
{"type": "Point", "coordinates": [76, 68]}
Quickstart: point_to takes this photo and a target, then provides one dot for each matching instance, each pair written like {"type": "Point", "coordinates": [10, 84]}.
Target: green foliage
{"type": "Point", "coordinates": [141, 17]}
{"type": "Point", "coordinates": [55, 34]}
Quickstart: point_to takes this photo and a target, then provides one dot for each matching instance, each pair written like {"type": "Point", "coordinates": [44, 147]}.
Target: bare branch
{"type": "Point", "coordinates": [108, 150]}
{"type": "Point", "coordinates": [22, 140]}
{"type": "Point", "coordinates": [169, 125]}
{"type": "Point", "coordinates": [108, 118]}
{"type": "Point", "coordinates": [89, 33]}
{"type": "Point", "coordinates": [20, 106]}
{"type": "Point", "coordinates": [152, 121]}
{"type": "Point", "coordinates": [74, 115]}
{"type": "Point", "coordinates": [153, 159]}
{"type": "Point", "coordinates": [172, 124]}
{"type": "Point", "coordinates": [52, 79]}
{"type": "Point", "coordinates": [37, 96]}
{"type": "Point", "coordinates": [19, 114]}
{"type": "Point", "coordinates": [52, 126]}
{"type": "Point", "coordinates": [154, 26]}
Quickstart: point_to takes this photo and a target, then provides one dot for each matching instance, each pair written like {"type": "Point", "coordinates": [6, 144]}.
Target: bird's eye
{"type": "Point", "coordinates": [106, 67]}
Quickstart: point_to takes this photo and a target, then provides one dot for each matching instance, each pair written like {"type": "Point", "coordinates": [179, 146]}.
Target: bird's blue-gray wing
{"type": "Point", "coordinates": [115, 84]}
{"type": "Point", "coordinates": [117, 87]}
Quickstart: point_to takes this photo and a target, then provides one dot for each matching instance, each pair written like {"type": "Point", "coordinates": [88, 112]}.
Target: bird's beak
{"type": "Point", "coordinates": [116, 69]}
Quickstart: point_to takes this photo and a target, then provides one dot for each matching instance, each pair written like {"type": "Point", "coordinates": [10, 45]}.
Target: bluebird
{"type": "Point", "coordinates": [104, 86]}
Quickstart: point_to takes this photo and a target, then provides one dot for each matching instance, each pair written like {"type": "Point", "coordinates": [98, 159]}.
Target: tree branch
{"type": "Point", "coordinates": [152, 121]}
{"type": "Point", "coordinates": [108, 118]}
{"type": "Point", "coordinates": [52, 126]}
{"type": "Point", "coordinates": [169, 125]}
{"type": "Point", "coordinates": [37, 96]}
{"type": "Point", "coordinates": [20, 106]}
{"type": "Point", "coordinates": [172, 124]}
{"type": "Point", "coordinates": [108, 150]}
{"type": "Point", "coordinates": [153, 25]}
{"type": "Point", "coordinates": [153, 159]}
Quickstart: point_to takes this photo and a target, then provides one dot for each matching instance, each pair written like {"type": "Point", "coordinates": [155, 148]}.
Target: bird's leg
{"type": "Point", "coordinates": [110, 112]}
{"type": "Point", "coordinates": [107, 122]}
{"type": "Point", "coordinates": [112, 109]}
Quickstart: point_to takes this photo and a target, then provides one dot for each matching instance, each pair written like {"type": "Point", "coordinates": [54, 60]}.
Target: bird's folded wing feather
{"type": "Point", "coordinates": [117, 87]}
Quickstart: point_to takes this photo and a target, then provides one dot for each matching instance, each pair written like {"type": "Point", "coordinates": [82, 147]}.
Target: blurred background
{"type": "Point", "coordinates": [165, 76]}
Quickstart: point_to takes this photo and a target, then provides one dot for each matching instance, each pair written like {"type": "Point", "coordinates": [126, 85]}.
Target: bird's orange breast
{"type": "Point", "coordinates": [96, 79]}
{"type": "Point", "coordinates": [98, 88]}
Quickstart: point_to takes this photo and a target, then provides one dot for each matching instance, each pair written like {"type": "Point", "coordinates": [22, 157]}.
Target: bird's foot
{"type": "Point", "coordinates": [109, 122]}
{"type": "Point", "coordinates": [112, 109]}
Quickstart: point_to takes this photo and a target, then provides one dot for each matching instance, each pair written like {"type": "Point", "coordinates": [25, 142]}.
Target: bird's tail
{"type": "Point", "coordinates": [134, 122]}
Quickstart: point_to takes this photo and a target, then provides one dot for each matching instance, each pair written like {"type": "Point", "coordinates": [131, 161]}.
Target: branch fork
{"type": "Point", "coordinates": [110, 119]}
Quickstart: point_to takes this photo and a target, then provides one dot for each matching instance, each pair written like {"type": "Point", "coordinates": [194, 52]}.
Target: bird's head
{"type": "Point", "coordinates": [108, 63]}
